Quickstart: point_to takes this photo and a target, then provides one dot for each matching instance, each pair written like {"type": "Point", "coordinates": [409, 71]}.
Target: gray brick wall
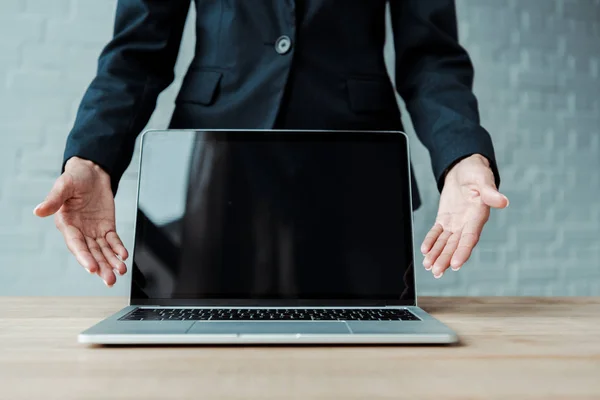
{"type": "Point", "coordinates": [537, 79]}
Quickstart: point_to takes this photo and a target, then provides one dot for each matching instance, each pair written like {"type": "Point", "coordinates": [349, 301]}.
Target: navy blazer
{"type": "Point", "coordinates": [297, 64]}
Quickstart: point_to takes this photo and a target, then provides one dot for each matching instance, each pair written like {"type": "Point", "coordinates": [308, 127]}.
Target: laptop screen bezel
{"type": "Point", "coordinates": [390, 136]}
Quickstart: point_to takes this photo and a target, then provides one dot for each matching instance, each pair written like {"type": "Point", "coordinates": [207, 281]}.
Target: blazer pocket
{"type": "Point", "coordinates": [199, 87]}
{"type": "Point", "coordinates": [370, 95]}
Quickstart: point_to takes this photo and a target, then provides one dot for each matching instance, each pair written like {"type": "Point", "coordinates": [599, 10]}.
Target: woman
{"type": "Point", "coordinates": [311, 64]}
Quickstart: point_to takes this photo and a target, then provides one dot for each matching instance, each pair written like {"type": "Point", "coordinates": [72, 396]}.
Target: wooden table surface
{"type": "Point", "coordinates": [511, 348]}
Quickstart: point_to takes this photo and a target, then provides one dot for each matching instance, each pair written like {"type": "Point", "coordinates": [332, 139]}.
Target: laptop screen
{"type": "Point", "coordinates": [273, 218]}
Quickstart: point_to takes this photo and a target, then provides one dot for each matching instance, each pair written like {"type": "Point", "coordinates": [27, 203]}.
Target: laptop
{"type": "Point", "coordinates": [272, 237]}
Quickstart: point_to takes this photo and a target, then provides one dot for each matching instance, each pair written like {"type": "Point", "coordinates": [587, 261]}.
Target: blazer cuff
{"type": "Point", "coordinates": [104, 158]}
{"type": "Point", "coordinates": [447, 157]}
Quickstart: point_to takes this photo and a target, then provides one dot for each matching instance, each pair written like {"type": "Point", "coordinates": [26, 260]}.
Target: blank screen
{"type": "Point", "coordinates": [274, 216]}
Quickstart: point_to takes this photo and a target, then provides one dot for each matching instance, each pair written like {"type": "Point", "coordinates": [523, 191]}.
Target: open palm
{"type": "Point", "coordinates": [469, 192]}
{"type": "Point", "coordinates": [84, 211]}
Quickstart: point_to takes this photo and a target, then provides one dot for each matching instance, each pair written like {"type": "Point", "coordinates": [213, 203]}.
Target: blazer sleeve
{"type": "Point", "coordinates": [434, 76]}
{"type": "Point", "coordinates": [133, 68]}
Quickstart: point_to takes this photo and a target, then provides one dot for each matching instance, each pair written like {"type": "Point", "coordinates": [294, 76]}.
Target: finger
{"type": "Point", "coordinates": [78, 247]}
{"type": "Point", "coordinates": [492, 197]}
{"type": "Point", "coordinates": [468, 239]}
{"type": "Point", "coordinates": [443, 261]}
{"type": "Point", "coordinates": [436, 250]}
{"type": "Point", "coordinates": [430, 238]}
{"type": "Point", "coordinates": [117, 245]}
{"type": "Point", "coordinates": [106, 271]}
{"type": "Point", "coordinates": [60, 192]}
{"type": "Point", "coordinates": [111, 258]}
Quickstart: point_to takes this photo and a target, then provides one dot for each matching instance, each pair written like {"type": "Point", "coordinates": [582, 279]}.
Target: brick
{"type": "Point", "coordinates": [11, 215]}
{"type": "Point", "coordinates": [579, 288]}
{"type": "Point", "coordinates": [20, 241]}
{"type": "Point", "coordinates": [31, 190]}
{"type": "Point", "coordinates": [582, 238]}
{"type": "Point", "coordinates": [41, 164]}
{"type": "Point", "coordinates": [582, 84]}
{"type": "Point", "coordinates": [18, 29]}
{"type": "Point", "coordinates": [11, 7]}
{"type": "Point", "coordinates": [54, 241]}
{"type": "Point", "coordinates": [497, 76]}
{"type": "Point", "coordinates": [581, 44]}
{"type": "Point", "coordinates": [490, 258]}
{"type": "Point", "coordinates": [539, 123]}
{"type": "Point", "coordinates": [586, 124]}
{"type": "Point", "coordinates": [10, 61]}
{"type": "Point", "coordinates": [542, 156]}
{"type": "Point", "coordinates": [526, 215]}
{"type": "Point", "coordinates": [537, 81]}
{"type": "Point", "coordinates": [17, 275]}
{"type": "Point", "coordinates": [49, 109]}
{"type": "Point", "coordinates": [544, 7]}
{"type": "Point", "coordinates": [476, 273]}
{"type": "Point", "coordinates": [594, 69]}
{"type": "Point", "coordinates": [79, 31]}
{"type": "Point", "coordinates": [540, 59]}
{"type": "Point", "coordinates": [576, 215]}
{"type": "Point", "coordinates": [36, 82]}
{"type": "Point", "coordinates": [532, 290]}
{"type": "Point", "coordinates": [543, 269]}
{"type": "Point", "coordinates": [8, 159]}
{"type": "Point", "coordinates": [42, 56]}
{"type": "Point", "coordinates": [536, 235]}
{"type": "Point", "coordinates": [580, 66]}
{"type": "Point", "coordinates": [48, 9]}
{"type": "Point", "coordinates": [487, 289]}
{"type": "Point", "coordinates": [57, 133]}
{"type": "Point", "coordinates": [585, 142]}
{"type": "Point", "coordinates": [93, 9]}
{"type": "Point", "coordinates": [537, 251]}
{"type": "Point", "coordinates": [583, 11]}
{"type": "Point", "coordinates": [537, 40]}
{"type": "Point", "coordinates": [82, 60]}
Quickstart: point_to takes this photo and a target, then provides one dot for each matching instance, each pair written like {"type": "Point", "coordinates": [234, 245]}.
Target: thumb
{"type": "Point", "coordinates": [61, 192]}
{"type": "Point", "coordinates": [492, 197]}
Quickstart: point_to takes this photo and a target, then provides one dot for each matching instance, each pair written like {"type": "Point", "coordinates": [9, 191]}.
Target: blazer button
{"type": "Point", "coordinates": [283, 44]}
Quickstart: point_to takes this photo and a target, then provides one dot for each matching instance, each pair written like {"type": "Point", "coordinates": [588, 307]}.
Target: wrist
{"type": "Point", "coordinates": [478, 158]}
{"type": "Point", "coordinates": [76, 163]}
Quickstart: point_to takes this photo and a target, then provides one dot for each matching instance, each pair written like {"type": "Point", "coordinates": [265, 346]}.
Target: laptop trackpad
{"type": "Point", "coordinates": [269, 327]}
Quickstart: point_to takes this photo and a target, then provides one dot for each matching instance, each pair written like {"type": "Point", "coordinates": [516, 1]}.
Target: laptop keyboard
{"type": "Point", "coordinates": [273, 314]}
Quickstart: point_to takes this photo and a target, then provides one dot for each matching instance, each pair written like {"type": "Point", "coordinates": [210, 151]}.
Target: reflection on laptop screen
{"type": "Point", "coordinates": [279, 215]}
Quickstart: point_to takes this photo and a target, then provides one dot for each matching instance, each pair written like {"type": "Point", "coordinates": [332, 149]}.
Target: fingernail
{"type": "Point", "coordinates": [106, 283]}
{"type": "Point", "coordinates": [36, 208]}
{"type": "Point", "coordinates": [455, 268]}
{"type": "Point", "coordinates": [507, 201]}
{"type": "Point", "coordinates": [438, 276]}
{"type": "Point", "coordinates": [89, 270]}
{"type": "Point", "coordinates": [428, 268]}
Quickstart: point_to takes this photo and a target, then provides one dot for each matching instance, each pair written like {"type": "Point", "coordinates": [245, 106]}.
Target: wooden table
{"type": "Point", "coordinates": [512, 348]}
